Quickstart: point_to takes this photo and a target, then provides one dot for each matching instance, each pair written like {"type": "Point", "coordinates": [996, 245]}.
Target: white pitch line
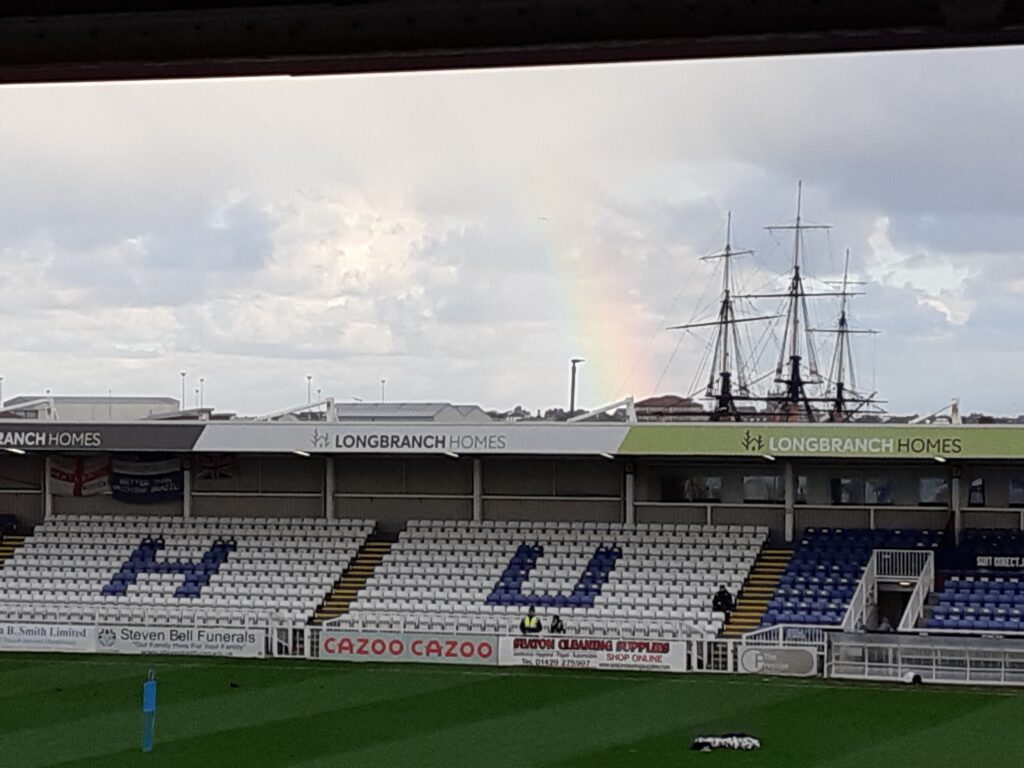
{"type": "Point", "coordinates": [670, 678]}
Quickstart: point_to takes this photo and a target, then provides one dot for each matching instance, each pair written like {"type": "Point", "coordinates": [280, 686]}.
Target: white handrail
{"type": "Point", "coordinates": [901, 563]}
{"type": "Point", "coordinates": [864, 596]}
{"type": "Point", "coordinates": [915, 605]}
{"type": "Point", "coordinates": [398, 621]}
{"type": "Point", "coordinates": [789, 634]}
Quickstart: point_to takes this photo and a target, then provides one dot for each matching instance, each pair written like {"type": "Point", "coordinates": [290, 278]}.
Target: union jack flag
{"type": "Point", "coordinates": [216, 466]}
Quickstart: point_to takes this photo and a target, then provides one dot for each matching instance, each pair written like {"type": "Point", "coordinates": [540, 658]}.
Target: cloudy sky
{"type": "Point", "coordinates": [463, 235]}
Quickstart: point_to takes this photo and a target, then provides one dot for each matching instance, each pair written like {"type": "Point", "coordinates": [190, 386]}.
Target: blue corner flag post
{"type": "Point", "coordinates": [148, 711]}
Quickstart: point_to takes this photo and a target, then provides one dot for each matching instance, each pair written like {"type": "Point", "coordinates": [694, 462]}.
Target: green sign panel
{"type": "Point", "coordinates": [831, 441]}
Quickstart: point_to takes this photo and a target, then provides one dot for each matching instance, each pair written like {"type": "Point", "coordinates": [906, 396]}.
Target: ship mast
{"type": "Point", "coordinates": [797, 343]}
{"type": "Point", "coordinates": [842, 369]}
{"type": "Point", "coordinates": [727, 350]}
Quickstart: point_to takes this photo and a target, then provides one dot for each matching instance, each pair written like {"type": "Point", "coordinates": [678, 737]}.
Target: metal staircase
{"type": "Point", "coordinates": [9, 544]}
{"type": "Point", "coordinates": [757, 591]}
{"type": "Point", "coordinates": [346, 589]}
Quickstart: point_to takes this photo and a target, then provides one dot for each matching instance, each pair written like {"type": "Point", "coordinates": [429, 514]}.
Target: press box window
{"type": "Point", "coordinates": [976, 493]}
{"type": "Point", "coordinates": [932, 491]}
{"type": "Point", "coordinates": [764, 489]}
{"type": "Point", "coordinates": [847, 490]}
{"type": "Point", "coordinates": [703, 489]}
{"type": "Point", "coordinates": [877, 492]}
{"type": "Point", "coordinates": [1016, 493]}
{"type": "Point", "coordinates": [691, 489]}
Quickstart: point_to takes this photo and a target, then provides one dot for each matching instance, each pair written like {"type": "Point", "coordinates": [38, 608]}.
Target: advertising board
{"type": "Point", "coordinates": [188, 641]}
{"type": "Point", "coordinates": [47, 637]}
{"type": "Point", "coordinates": [593, 653]}
{"type": "Point", "coordinates": [769, 660]}
{"type": "Point", "coordinates": [345, 645]}
{"type": "Point", "coordinates": [1009, 562]}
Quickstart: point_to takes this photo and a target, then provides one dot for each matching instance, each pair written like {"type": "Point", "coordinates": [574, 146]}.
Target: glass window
{"type": "Point", "coordinates": [976, 493]}
{"type": "Point", "coordinates": [801, 490]}
{"type": "Point", "coordinates": [932, 491]}
{"type": "Point", "coordinates": [703, 489]}
{"type": "Point", "coordinates": [763, 488]}
{"type": "Point", "coordinates": [847, 490]}
{"type": "Point", "coordinates": [877, 491]}
{"type": "Point", "coordinates": [671, 488]}
{"type": "Point", "coordinates": [1017, 493]}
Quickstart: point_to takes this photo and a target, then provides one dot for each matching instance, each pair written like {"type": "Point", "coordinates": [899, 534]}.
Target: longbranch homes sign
{"type": "Point", "coordinates": [833, 441]}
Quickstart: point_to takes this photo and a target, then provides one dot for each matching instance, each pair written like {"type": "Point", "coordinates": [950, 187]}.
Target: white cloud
{"type": "Point", "coordinates": [939, 280]}
{"type": "Point", "coordinates": [464, 234]}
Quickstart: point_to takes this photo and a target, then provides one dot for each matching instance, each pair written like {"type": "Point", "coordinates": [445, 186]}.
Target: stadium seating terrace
{"type": "Point", "coordinates": [653, 578]}
{"type": "Point", "coordinates": [980, 599]}
{"type": "Point", "coordinates": [822, 576]}
{"type": "Point", "coordinates": [133, 569]}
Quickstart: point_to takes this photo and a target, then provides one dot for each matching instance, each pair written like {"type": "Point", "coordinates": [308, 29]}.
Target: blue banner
{"type": "Point", "coordinates": [148, 481]}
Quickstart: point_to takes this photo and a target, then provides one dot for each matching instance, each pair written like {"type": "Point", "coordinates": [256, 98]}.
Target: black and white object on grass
{"type": "Point", "coordinates": [728, 741]}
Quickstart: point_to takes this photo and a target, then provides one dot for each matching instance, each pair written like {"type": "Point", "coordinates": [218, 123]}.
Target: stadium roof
{"type": "Point", "coordinates": [750, 442]}
{"type": "Point", "coordinates": [411, 412]}
{"type": "Point", "coordinates": [117, 39]}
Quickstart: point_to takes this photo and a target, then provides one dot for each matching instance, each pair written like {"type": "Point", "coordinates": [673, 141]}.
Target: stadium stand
{"type": "Point", "coordinates": [653, 579]}
{"type": "Point", "coordinates": [981, 599]}
{"type": "Point", "coordinates": [826, 566]}
{"type": "Point", "coordinates": [156, 569]}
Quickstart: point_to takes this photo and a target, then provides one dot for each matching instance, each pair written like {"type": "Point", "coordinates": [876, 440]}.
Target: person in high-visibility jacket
{"type": "Point", "coordinates": [530, 625]}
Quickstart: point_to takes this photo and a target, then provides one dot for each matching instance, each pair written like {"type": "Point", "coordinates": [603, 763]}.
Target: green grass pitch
{"type": "Point", "coordinates": [85, 711]}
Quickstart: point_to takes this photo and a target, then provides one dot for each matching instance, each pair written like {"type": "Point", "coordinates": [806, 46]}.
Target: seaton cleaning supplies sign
{"type": "Point", "coordinates": [592, 653]}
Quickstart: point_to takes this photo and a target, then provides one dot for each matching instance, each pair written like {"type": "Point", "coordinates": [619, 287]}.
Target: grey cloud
{"type": "Point", "coordinates": [248, 229]}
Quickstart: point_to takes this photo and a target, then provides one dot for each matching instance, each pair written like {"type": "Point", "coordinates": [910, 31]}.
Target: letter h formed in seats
{"type": "Point", "coordinates": [509, 589]}
{"type": "Point", "coordinates": [143, 560]}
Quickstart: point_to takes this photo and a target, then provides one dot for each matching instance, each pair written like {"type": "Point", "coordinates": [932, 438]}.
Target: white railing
{"type": "Point", "coordinates": [501, 624]}
{"type": "Point", "coordinates": [33, 611]}
{"type": "Point", "coordinates": [965, 661]}
{"type": "Point", "coordinates": [864, 597]}
{"type": "Point", "coordinates": [900, 563]}
{"type": "Point", "coordinates": [887, 565]}
{"type": "Point", "coordinates": [915, 605]}
{"type": "Point", "coordinates": [789, 635]}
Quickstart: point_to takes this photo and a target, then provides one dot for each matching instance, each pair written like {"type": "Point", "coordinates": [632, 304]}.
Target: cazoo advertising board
{"type": "Point", "coordinates": [344, 645]}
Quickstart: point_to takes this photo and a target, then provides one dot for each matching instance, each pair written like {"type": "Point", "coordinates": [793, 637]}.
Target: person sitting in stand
{"type": "Point", "coordinates": [557, 627]}
{"type": "Point", "coordinates": [722, 601]}
{"type": "Point", "coordinates": [530, 625]}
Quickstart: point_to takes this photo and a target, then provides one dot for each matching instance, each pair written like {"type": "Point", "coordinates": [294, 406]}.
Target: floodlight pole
{"type": "Point", "coordinates": [572, 384]}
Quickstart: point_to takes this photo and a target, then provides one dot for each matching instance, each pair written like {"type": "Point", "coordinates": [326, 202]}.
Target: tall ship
{"type": "Point", "coordinates": [814, 374]}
